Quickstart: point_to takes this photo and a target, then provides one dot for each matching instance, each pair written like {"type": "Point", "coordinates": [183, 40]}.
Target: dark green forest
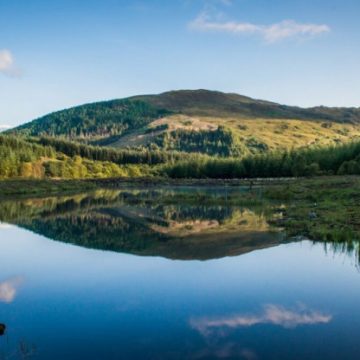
{"type": "Point", "coordinates": [93, 121]}
{"type": "Point", "coordinates": [140, 155]}
{"type": "Point", "coordinates": [333, 160]}
{"type": "Point", "coordinates": [220, 142]}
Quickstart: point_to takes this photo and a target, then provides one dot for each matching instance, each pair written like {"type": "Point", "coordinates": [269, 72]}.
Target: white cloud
{"type": "Point", "coordinates": [7, 64]}
{"type": "Point", "coordinates": [8, 289]}
{"type": "Point", "coordinates": [270, 33]}
{"type": "Point", "coordinates": [272, 314]}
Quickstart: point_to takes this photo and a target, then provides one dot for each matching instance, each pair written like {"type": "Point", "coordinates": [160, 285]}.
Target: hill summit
{"type": "Point", "coordinates": [204, 121]}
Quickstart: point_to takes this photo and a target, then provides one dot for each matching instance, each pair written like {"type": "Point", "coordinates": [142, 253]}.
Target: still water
{"type": "Point", "coordinates": [139, 274]}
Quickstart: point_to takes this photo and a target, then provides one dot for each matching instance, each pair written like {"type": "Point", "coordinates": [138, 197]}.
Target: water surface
{"type": "Point", "coordinates": [140, 274]}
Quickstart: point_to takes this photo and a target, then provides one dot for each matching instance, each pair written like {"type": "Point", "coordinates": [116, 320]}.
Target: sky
{"type": "Point", "coordinates": [57, 54]}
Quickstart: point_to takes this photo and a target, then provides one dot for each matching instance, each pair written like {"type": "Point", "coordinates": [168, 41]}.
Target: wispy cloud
{"type": "Point", "coordinates": [270, 33]}
{"type": "Point", "coordinates": [8, 289]}
{"type": "Point", "coordinates": [7, 64]}
{"type": "Point", "coordinates": [272, 314]}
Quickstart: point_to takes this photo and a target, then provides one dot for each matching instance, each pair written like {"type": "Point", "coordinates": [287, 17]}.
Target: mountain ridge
{"type": "Point", "coordinates": [201, 120]}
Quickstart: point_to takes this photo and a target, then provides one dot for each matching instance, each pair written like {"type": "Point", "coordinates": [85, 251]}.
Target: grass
{"type": "Point", "coordinates": [271, 134]}
{"type": "Point", "coordinates": [324, 209]}
{"type": "Point", "coordinates": [22, 187]}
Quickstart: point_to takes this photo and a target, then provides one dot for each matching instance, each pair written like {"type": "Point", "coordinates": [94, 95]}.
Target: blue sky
{"type": "Point", "coordinates": [56, 54]}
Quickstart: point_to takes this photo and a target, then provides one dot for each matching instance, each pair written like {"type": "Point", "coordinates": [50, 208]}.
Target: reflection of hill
{"type": "Point", "coordinates": [142, 223]}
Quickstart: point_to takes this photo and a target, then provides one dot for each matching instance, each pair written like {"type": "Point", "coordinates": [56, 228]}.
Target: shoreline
{"type": "Point", "coordinates": [39, 187]}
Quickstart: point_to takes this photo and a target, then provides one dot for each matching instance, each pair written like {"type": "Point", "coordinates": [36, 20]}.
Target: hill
{"type": "Point", "coordinates": [202, 121]}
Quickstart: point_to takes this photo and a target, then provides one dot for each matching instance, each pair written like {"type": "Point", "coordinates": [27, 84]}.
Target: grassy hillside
{"type": "Point", "coordinates": [202, 121]}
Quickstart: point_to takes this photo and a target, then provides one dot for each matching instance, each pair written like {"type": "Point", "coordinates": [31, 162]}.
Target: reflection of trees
{"type": "Point", "coordinates": [350, 247]}
{"type": "Point", "coordinates": [2, 329]}
{"type": "Point", "coordinates": [176, 224]}
{"type": "Point", "coordinates": [22, 350]}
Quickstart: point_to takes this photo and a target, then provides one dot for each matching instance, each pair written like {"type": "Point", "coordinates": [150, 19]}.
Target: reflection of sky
{"type": "Point", "coordinates": [74, 295]}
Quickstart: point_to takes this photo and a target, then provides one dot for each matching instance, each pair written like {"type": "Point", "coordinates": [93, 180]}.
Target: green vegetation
{"type": "Point", "coordinates": [60, 159]}
{"type": "Point", "coordinates": [340, 159]}
{"type": "Point", "coordinates": [117, 156]}
{"type": "Point", "coordinates": [20, 158]}
{"type": "Point", "coordinates": [323, 209]}
{"type": "Point", "coordinates": [93, 121]}
{"type": "Point", "coordinates": [184, 134]}
{"type": "Point", "coordinates": [46, 187]}
{"type": "Point", "coordinates": [201, 121]}
{"type": "Point", "coordinates": [220, 142]}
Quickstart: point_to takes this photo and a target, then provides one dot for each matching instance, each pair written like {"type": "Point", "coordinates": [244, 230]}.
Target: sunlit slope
{"type": "Point", "coordinates": [243, 135]}
{"type": "Point", "coordinates": [199, 121]}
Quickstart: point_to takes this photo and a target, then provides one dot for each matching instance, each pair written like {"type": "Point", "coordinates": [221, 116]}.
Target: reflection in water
{"type": "Point", "coordinates": [8, 289]}
{"type": "Point", "coordinates": [2, 329]}
{"type": "Point", "coordinates": [203, 224]}
{"type": "Point", "coordinates": [22, 350]}
{"type": "Point", "coordinates": [185, 224]}
{"type": "Point", "coordinates": [225, 351]}
{"type": "Point", "coordinates": [271, 314]}
{"type": "Point", "coordinates": [82, 304]}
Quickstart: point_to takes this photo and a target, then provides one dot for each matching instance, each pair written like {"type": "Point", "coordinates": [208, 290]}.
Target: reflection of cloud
{"type": "Point", "coordinates": [224, 351]}
{"type": "Point", "coordinates": [8, 289]}
{"type": "Point", "coordinates": [272, 314]}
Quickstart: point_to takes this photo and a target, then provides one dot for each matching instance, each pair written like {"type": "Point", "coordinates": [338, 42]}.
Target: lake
{"type": "Point", "coordinates": [184, 273]}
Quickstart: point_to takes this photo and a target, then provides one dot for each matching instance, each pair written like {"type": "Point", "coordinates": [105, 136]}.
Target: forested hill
{"type": "Point", "coordinates": [93, 120]}
{"type": "Point", "coordinates": [202, 121]}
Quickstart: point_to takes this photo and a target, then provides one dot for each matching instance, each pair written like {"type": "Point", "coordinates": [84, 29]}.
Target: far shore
{"type": "Point", "coordinates": [43, 187]}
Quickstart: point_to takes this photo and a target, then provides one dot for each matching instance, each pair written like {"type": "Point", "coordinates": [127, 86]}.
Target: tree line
{"type": "Point", "coordinates": [219, 142]}
{"type": "Point", "coordinates": [339, 159]}
{"type": "Point", "coordinates": [54, 158]}
{"type": "Point", "coordinates": [149, 156]}
{"type": "Point", "coordinates": [20, 158]}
